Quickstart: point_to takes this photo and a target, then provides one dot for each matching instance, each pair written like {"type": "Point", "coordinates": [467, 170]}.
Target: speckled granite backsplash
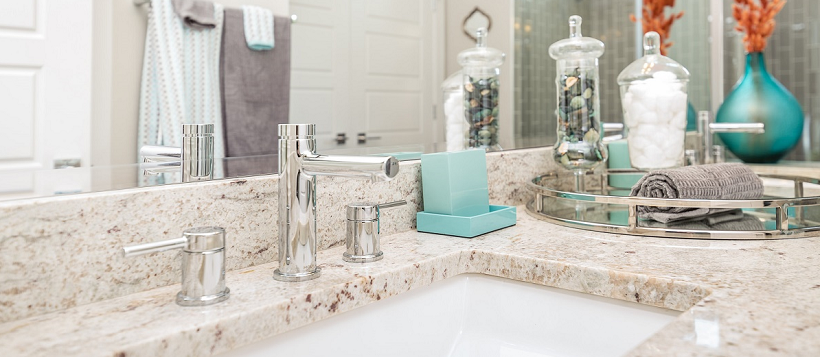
{"type": "Point", "coordinates": [61, 252]}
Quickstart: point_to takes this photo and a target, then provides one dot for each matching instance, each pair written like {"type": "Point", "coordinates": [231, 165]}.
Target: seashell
{"type": "Point", "coordinates": [469, 87]}
{"type": "Point", "coordinates": [484, 134]}
{"type": "Point", "coordinates": [562, 149]}
{"type": "Point", "coordinates": [565, 160]}
{"type": "Point", "coordinates": [570, 82]}
{"type": "Point", "coordinates": [485, 92]}
{"type": "Point", "coordinates": [592, 136]}
{"type": "Point", "coordinates": [473, 103]}
{"type": "Point", "coordinates": [588, 93]}
{"type": "Point", "coordinates": [495, 111]}
{"type": "Point", "coordinates": [577, 103]}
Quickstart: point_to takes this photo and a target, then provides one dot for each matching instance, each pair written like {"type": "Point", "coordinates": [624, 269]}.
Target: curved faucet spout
{"type": "Point", "coordinates": [373, 167]}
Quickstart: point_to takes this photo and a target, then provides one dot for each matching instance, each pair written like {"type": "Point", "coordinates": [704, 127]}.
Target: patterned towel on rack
{"type": "Point", "coordinates": [258, 27]}
{"type": "Point", "coordinates": [180, 78]}
{"type": "Point", "coordinates": [727, 181]}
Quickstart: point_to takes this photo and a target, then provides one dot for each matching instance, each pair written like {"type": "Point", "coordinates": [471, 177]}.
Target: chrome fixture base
{"type": "Point", "coordinates": [601, 208]}
{"type": "Point", "coordinates": [183, 300]}
{"type": "Point", "coordinates": [362, 258]}
{"type": "Point", "coordinates": [310, 275]}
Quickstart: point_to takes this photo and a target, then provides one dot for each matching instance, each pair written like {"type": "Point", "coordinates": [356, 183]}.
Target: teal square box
{"type": "Point", "coordinates": [466, 226]}
{"type": "Point", "coordinates": [455, 183]}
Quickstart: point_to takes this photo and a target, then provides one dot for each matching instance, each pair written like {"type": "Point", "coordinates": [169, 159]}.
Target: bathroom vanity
{"type": "Point", "coordinates": [693, 297]}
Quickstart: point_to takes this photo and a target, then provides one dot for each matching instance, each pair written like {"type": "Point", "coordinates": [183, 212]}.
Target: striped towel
{"type": "Point", "coordinates": [180, 78]}
{"type": "Point", "coordinates": [258, 27]}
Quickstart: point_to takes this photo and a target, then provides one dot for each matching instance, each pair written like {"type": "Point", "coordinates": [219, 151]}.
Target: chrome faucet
{"type": "Point", "coordinates": [710, 153]}
{"type": "Point", "coordinates": [195, 158]}
{"type": "Point", "coordinates": [299, 164]}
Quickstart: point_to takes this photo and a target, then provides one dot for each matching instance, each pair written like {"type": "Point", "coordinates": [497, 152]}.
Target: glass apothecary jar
{"type": "Point", "coordinates": [579, 147]}
{"type": "Point", "coordinates": [654, 100]}
{"type": "Point", "coordinates": [480, 89]}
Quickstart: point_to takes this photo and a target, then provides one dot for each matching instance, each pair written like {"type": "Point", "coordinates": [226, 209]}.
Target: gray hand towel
{"type": "Point", "coordinates": [255, 96]}
{"type": "Point", "coordinates": [195, 13]}
{"type": "Point", "coordinates": [728, 181]}
{"type": "Point", "coordinates": [733, 220]}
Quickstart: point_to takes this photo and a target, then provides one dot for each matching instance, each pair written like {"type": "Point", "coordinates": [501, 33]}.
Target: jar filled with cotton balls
{"type": "Point", "coordinates": [579, 146]}
{"type": "Point", "coordinates": [653, 96]}
{"type": "Point", "coordinates": [480, 90]}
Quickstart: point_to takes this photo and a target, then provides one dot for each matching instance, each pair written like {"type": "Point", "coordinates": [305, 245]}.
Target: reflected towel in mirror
{"type": "Point", "coordinates": [255, 96]}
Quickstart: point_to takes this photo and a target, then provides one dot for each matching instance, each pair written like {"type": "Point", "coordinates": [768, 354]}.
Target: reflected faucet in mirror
{"type": "Point", "coordinates": [195, 158]}
{"type": "Point", "coordinates": [299, 164]}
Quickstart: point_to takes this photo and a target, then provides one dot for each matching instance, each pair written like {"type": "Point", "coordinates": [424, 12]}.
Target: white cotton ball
{"type": "Point", "coordinates": [647, 117]}
{"type": "Point", "coordinates": [638, 89]}
{"type": "Point", "coordinates": [678, 102]}
{"type": "Point", "coordinates": [650, 101]}
{"type": "Point", "coordinates": [679, 121]}
{"type": "Point", "coordinates": [664, 76]}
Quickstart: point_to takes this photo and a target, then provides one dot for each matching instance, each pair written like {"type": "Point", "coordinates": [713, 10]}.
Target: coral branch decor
{"type": "Point", "coordinates": [756, 21]}
{"type": "Point", "coordinates": [653, 18]}
{"type": "Point", "coordinates": [759, 97]}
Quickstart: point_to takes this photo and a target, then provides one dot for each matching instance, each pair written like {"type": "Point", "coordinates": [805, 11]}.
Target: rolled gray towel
{"type": "Point", "coordinates": [727, 181]}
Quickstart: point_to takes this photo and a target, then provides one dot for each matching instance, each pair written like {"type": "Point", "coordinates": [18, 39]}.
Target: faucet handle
{"type": "Point", "coordinates": [363, 228]}
{"type": "Point", "coordinates": [203, 264]}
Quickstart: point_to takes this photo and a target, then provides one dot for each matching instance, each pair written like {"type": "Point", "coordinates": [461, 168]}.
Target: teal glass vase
{"type": "Point", "coordinates": [759, 98]}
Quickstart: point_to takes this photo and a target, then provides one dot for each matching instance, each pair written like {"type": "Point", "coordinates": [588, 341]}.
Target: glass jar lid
{"type": "Point", "coordinates": [653, 64]}
{"type": "Point", "coordinates": [576, 46]}
{"type": "Point", "coordinates": [481, 55]}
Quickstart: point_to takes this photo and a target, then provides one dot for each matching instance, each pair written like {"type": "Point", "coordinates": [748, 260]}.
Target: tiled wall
{"type": "Point", "coordinates": [793, 57]}
{"type": "Point", "coordinates": [690, 37]}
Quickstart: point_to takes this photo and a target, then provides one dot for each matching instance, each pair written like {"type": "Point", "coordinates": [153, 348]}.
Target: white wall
{"type": "Point", "coordinates": [500, 37]}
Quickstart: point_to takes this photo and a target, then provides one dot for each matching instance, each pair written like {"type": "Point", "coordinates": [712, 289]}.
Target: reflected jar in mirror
{"type": "Point", "coordinates": [455, 127]}
{"type": "Point", "coordinates": [480, 88]}
{"type": "Point", "coordinates": [654, 101]}
{"type": "Point", "coordinates": [579, 146]}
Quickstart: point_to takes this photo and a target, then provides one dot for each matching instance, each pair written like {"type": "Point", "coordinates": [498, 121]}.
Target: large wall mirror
{"type": "Point", "coordinates": [368, 73]}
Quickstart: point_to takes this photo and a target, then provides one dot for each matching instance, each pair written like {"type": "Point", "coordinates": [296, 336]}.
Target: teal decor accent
{"type": "Point", "coordinates": [691, 117]}
{"type": "Point", "coordinates": [466, 226]}
{"type": "Point", "coordinates": [455, 183]}
{"type": "Point", "coordinates": [759, 98]}
{"type": "Point", "coordinates": [619, 159]}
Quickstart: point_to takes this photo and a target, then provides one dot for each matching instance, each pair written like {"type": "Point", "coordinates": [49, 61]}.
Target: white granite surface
{"type": "Point", "coordinates": [759, 297]}
{"type": "Point", "coordinates": [61, 252]}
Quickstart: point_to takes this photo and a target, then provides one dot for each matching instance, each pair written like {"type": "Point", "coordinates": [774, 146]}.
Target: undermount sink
{"type": "Point", "coordinates": [475, 315]}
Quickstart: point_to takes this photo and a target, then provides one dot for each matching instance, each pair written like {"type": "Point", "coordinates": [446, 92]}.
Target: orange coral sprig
{"type": "Point", "coordinates": [654, 19]}
{"type": "Point", "coordinates": [756, 21]}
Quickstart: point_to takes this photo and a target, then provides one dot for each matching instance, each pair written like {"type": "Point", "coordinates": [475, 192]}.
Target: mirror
{"type": "Point", "coordinates": [367, 72]}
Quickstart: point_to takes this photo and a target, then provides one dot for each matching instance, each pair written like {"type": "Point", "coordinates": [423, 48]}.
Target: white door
{"type": "Point", "coordinates": [363, 66]}
{"type": "Point", "coordinates": [390, 81]}
{"type": "Point", "coordinates": [45, 93]}
{"type": "Point", "coordinates": [319, 92]}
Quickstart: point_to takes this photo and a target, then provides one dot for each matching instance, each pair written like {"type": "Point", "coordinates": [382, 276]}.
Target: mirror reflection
{"type": "Point", "coordinates": [86, 84]}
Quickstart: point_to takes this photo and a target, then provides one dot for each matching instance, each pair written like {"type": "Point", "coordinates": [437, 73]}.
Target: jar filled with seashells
{"type": "Point", "coordinates": [579, 146]}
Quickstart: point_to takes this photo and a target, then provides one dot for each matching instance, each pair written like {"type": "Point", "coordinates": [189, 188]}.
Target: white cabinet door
{"type": "Point", "coordinates": [45, 91]}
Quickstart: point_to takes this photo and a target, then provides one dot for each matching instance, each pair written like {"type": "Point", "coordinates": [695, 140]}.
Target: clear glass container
{"type": "Point", "coordinates": [653, 96]}
{"type": "Point", "coordinates": [579, 146]}
{"type": "Point", "coordinates": [453, 110]}
{"type": "Point", "coordinates": [480, 88]}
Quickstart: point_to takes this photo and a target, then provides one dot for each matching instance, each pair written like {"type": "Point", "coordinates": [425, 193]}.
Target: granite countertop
{"type": "Point", "coordinates": [763, 296]}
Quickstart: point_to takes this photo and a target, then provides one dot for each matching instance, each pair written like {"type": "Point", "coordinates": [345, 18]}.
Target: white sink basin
{"type": "Point", "coordinates": [475, 315]}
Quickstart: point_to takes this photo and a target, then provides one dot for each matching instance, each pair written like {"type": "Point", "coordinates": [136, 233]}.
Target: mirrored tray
{"type": "Point", "coordinates": [789, 208]}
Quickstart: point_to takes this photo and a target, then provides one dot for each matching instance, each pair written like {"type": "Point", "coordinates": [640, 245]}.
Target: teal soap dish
{"type": "Point", "coordinates": [466, 226]}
